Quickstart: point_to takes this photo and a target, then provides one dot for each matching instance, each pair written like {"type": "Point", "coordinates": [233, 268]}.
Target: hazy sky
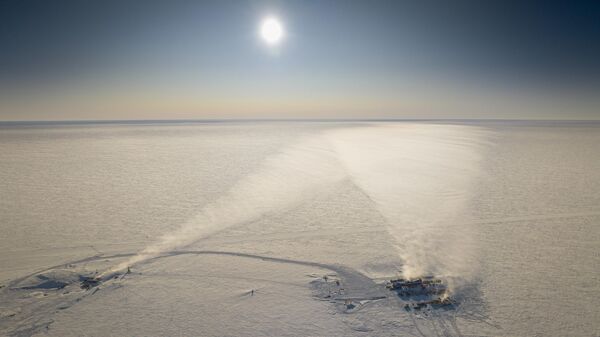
{"type": "Point", "coordinates": [182, 59]}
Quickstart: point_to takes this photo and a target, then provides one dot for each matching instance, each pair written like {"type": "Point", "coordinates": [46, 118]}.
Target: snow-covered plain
{"type": "Point", "coordinates": [292, 229]}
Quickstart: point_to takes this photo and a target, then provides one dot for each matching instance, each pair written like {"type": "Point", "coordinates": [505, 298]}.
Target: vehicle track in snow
{"type": "Point", "coordinates": [28, 311]}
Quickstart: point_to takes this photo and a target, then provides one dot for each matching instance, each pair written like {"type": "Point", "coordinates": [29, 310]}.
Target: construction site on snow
{"type": "Point", "coordinates": [423, 292]}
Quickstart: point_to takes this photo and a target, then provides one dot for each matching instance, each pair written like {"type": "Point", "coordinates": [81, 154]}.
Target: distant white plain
{"type": "Point", "coordinates": [508, 211]}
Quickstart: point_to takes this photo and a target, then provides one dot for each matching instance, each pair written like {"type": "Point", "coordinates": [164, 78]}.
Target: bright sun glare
{"type": "Point", "coordinates": [271, 31]}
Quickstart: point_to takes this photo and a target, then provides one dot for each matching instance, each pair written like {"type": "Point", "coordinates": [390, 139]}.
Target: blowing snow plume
{"type": "Point", "coordinates": [420, 177]}
{"type": "Point", "coordinates": [282, 181]}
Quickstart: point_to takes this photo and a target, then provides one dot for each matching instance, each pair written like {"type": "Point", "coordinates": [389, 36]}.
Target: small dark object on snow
{"type": "Point", "coordinates": [89, 282]}
{"type": "Point", "coordinates": [421, 292]}
{"type": "Point", "coordinates": [419, 286]}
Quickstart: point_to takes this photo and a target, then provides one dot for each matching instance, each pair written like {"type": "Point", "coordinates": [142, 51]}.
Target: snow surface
{"type": "Point", "coordinates": [292, 229]}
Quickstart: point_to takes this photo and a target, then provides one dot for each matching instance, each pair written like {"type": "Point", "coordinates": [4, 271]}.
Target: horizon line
{"type": "Point", "coordinates": [250, 120]}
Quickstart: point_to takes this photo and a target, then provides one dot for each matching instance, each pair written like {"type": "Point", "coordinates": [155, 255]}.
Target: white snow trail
{"type": "Point", "coordinates": [284, 180]}
{"type": "Point", "coordinates": [420, 176]}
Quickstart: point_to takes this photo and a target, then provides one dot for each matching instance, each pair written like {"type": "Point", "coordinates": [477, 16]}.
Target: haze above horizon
{"type": "Point", "coordinates": [349, 60]}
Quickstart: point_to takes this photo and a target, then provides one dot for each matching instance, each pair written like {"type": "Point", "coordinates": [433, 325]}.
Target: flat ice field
{"type": "Point", "coordinates": [294, 229]}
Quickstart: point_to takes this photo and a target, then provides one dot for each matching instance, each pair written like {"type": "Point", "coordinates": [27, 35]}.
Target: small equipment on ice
{"type": "Point", "coordinates": [89, 282]}
{"type": "Point", "coordinates": [421, 292]}
{"type": "Point", "coordinates": [427, 285]}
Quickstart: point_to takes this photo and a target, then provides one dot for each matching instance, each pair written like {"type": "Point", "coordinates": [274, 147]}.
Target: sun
{"type": "Point", "coordinates": [271, 31]}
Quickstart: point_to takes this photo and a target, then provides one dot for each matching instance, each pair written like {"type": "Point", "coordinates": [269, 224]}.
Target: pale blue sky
{"type": "Point", "coordinates": [339, 59]}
